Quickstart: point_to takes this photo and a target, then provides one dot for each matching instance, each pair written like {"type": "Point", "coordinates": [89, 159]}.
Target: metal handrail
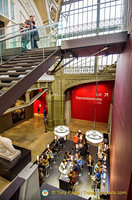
{"type": "Point", "coordinates": [9, 26]}
{"type": "Point", "coordinates": [24, 29]}
{"type": "Point", "coordinates": [30, 31]}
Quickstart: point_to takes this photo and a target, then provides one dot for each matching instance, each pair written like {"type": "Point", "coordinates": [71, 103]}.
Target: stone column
{"type": "Point", "coordinates": [68, 108]}
{"type": "Point", "coordinates": [59, 103]}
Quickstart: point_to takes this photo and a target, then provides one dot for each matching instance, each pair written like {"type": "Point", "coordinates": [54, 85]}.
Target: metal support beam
{"type": "Point", "coordinates": [88, 46]}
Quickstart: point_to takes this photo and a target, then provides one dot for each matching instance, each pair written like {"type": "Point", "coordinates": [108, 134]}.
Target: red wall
{"type": "Point", "coordinates": [121, 136]}
{"type": "Point", "coordinates": [83, 101]}
{"type": "Point", "coordinates": [41, 103]}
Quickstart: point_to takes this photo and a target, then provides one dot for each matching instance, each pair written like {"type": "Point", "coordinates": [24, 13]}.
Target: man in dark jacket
{"type": "Point", "coordinates": [76, 167]}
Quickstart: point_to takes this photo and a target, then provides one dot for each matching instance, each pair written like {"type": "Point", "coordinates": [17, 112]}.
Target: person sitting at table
{"type": "Point", "coordinates": [98, 174]}
{"type": "Point", "coordinates": [83, 150]}
{"type": "Point", "coordinates": [90, 162]}
{"type": "Point", "coordinates": [76, 156]}
{"type": "Point", "coordinates": [58, 145]}
{"type": "Point", "coordinates": [100, 155]}
{"type": "Point", "coordinates": [79, 132]}
{"type": "Point", "coordinates": [50, 153]}
{"type": "Point", "coordinates": [81, 138]}
{"type": "Point", "coordinates": [97, 177]}
{"type": "Point", "coordinates": [76, 168]}
{"type": "Point", "coordinates": [62, 140]}
{"type": "Point", "coordinates": [98, 165]}
{"type": "Point", "coordinates": [45, 161]}
{"type": "Point", "coordinates": [80, 160]}
{"type": "Point", "coordinates": [76, 138]}
{"type": "Point", "coordinates": [73, 177]}
{"type": "Point", "coordinates": [67, 156]}
{"type": "Point", "coordinates": [62, 166]}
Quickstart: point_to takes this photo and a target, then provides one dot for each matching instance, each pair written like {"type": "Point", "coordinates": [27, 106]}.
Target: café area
{"type": "Point", "coordinates": [75, 164]}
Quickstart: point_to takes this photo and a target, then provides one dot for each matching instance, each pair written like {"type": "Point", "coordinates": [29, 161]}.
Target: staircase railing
{"type": "Point", "coordinates": [9, 29]}
{"type": "Point", "coordinates": [13, 44]}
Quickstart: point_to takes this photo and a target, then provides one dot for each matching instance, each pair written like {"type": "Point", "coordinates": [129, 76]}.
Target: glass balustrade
{"type": "Point", "coordinates": [14, 43]}
{"type": "Point", "coordinates": [88, 18]}
{"type": "Point", "coordinates": [78, 19]}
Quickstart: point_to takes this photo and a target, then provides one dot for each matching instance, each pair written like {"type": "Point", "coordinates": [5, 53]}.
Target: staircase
{"type": "Point", "coordinates": [19, 74]}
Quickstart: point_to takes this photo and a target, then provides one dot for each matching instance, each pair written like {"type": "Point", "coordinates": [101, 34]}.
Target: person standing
{"type": "Point", "coordinates": [45, 113]}
{"type": "Point", "coordinates": [45, 119]}
{"type": "Point", "coordinates": [36, 36]}
{"type": "Point", "coordinates": [90, 162]}
{"type": "Point", "coordinates": [29, 24]}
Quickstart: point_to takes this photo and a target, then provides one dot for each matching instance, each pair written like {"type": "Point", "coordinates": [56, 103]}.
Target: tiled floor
{"type": "Point", "coordinates": [31, 135]}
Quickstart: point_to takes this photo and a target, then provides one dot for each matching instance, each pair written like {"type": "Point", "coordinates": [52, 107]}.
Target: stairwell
{"type": "Point", "coordinates": [19, 73]}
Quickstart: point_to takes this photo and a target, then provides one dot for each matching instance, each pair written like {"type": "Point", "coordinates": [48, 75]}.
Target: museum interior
{"type": "Point", "coordinates": [65, 99]}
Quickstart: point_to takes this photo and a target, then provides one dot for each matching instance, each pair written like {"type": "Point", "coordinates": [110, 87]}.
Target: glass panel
{"type": "Point", "coordinates": [88, 18]}
{"type": "Point", "coordinates": [1, 10]}
{"type": "Point", "coordinates": [12, 10]}
{"type": "Point", "coordinates": [94, 18]}
{"type": "Point", "coordinates": [5, 7]}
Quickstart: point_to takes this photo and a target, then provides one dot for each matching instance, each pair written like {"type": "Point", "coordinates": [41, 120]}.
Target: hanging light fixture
{"type": "Point", "coordinates": [61, 130]}
{"type": "Point", "coordinates": [95, 136]}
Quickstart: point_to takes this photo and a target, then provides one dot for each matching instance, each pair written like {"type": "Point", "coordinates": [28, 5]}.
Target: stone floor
{"type": "Point", "coordinates": [31, 135]}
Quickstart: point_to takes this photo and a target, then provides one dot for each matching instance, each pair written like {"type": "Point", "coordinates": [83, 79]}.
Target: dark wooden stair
{"type": "Point", "coordinates": [20, 73]}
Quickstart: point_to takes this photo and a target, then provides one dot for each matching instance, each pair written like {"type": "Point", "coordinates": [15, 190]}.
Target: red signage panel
{"type": "Point", "coordinates": [83, 101]}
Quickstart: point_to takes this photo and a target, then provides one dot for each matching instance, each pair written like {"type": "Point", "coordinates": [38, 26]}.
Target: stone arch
{"type": "Point", "coordinates": [76, 82]}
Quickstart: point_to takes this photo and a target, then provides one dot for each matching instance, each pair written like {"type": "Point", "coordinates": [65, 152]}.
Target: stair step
{"type": "Point", "coordinates": [9, 79]}
{"type": "Point", "coordinates": [21, 61]}
{"type": "Point", "coordinates": [21, 64]}
{"type": "Point", "coordinates": [18, 69]}
{"type": "Point", "coordinates": [32, 53]}
{"type": "Point", "coordinates": [13, 73]}
{"type": "Point", "coordinates": [6, 85]}
{"type": "Point", "coordinates": [26, 58]}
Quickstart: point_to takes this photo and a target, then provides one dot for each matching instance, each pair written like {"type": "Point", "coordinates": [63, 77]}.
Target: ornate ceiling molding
{"type": "Point", "coordinates": [78, 80]}
{"type": "Point", "coordinates": [53, 9]}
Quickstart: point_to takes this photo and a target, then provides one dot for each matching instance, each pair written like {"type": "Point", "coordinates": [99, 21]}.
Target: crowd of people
{"type": "Point", "coordinates": [32, 37]}
{"type": "Point", "coordinates": [73, 162]}
{"type": "Point", "coordinates": [47, 158]}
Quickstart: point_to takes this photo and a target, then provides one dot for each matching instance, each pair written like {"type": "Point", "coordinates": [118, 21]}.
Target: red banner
{"type": "Point", "coordinates": [83, 101]}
